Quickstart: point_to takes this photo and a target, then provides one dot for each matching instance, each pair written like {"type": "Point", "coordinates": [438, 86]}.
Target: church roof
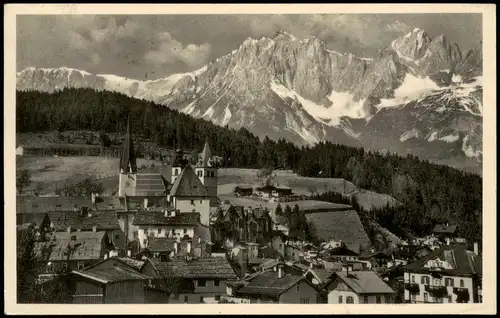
{"type": "Point", "coordinates": [205, 156]}
{"type": "Point", "coordinates": [128, 154]}
{"type": "Point", "coordinates": [187, 184]}
{"type": "Point", "coordinates": [150, 184]}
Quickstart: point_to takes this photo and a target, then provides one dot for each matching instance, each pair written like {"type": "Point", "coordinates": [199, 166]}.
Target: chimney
{"type": "Point", "coordinates": [92, 195]}
{"type": "Point", "coordinates": [68, 229]}
{"type": "Point", "coordinates": [476, 248]}
{"type": "Point", "coordinates": [145, 203]}
{"type": "Point", "coordinates": [94, 228]}
{"type": "Point", "coordinates": [176, 248]}
{"type": "Point", "coordinates": [280, 271]}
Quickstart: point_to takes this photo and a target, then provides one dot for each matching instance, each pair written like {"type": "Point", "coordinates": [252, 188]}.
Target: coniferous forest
{"type": "Point", "coordinates": [429, 193]}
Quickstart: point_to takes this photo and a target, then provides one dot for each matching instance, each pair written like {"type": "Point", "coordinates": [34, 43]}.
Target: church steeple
{"type": "Point", "coordinates": [128, 159]}
{"type": "Point", "coordinates": [205, 156]}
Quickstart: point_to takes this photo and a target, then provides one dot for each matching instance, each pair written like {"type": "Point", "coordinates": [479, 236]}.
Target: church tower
{"type": "Point", "coordinates": [177, 165]}
{"type": "Point", "coordinates": [207, 172]}
{"type": "Point", "coordinates": [128, 166]}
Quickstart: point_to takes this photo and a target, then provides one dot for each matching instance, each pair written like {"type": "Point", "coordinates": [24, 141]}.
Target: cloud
{"type": "Point", "coordinates": [170, 51]}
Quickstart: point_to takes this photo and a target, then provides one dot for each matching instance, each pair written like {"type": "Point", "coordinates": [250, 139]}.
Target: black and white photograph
{"type": "Point", "coordinates": [241, 158]}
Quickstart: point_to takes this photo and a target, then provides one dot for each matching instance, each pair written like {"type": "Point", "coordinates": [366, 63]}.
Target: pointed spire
{"type": "Point", "coordinates": [127, 160]}
{"type": "Point", "coordinates": [206, 155]}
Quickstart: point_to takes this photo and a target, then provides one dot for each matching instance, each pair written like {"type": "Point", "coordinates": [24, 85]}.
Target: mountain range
{"type": "Point", "coordinates": [419, 95]}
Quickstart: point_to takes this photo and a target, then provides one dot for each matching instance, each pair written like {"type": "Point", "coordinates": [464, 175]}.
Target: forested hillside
{"type": "Point", "coordinates": [430, 193]}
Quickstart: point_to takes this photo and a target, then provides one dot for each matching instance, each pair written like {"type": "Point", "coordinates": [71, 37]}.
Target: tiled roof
{"type": "Point", "coordinates": [364, 282]}
{"type": "Point", "coordinates": [111, 275]}
{"type": "Point", "coordinates": [87, 246]}
{"type": "Point", "coordinates": [343, 225]}
{"type": "Point", "coordinates": [187, 184]}
{"type": "Point", "coordinates": [30, 205]}
{"type": "Point", "coordinates": [444, 229]}
{"type": "Point", "coordinates": [161, 244]}
{"type": "Point", "coordinates": [269, 284]}
{"type": "Point", "coordinates": [159, 218]}
{"type": "Point", "coordinates": [134, 263]}
{"type": "Point", "coordinates": [341, 251]}
{"type": "Point", "coordinates": [103, 220]}
{"type": "Point", "coordinates": [205, 267]}
{"type": "Point", "coordinates": [463, 262]}
{"type": "Point", "coordinates": [148, 184]}
{"type": "Point", "coordinates": [323, 274]}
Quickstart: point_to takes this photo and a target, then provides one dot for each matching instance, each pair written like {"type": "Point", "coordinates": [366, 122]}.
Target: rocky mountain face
{"type": "Point", "coordinates": [420, 95]}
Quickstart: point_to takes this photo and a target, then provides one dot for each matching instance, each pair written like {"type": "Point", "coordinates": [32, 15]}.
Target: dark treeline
{"type": "Point", "coordinates": [429, 193]}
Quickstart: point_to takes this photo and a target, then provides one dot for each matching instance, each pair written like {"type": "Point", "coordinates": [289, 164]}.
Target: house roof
{"type": "Point", "coordinates": [159, 218]}
{"type": "Point", "coordinates": [87, 246]}
{"type": "Point", "coordinates": [33, 205]}
{"type": "Point", "coordinates": [124, 261]}
{"type": "Point", "coordinates": [463, 262]}
{"type": "Point", "coordinates": [103, 220]}
{"type": "Point", "coordinates": [205, 267]}
{"type": "Point", "coordinates": [161, 244]}
{"type": "Point", "coordinates": [136, 202]}
{"type": "Point", "coordinates": [187, 184]}
{"type": "Point", "coordinates": [150, 184]}
{"type": "Point", "coordinates": [111, 275]}
{"type": "Point", "coordinates": [203, 232]}
{"type": "Point", "coordinates": [364, 282]}
{"type": "Point", "coordinates": [343, 225]}
{"type": "Point", "coordinates": [23, 218]}
{"type": "Point", "coordinates": [341, 251]}
{"type": "Point", "coordinates": [269, 284]}
{"type": "Point", "coordinates": [322, 274]}
{"type": "Point", "coordinates": [445, 229]}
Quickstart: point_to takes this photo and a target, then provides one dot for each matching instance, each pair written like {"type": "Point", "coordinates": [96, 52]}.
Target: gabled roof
{"type": "Point", "coordinates": [269, 284]}
{"type": "Point", "coordinates": [150, 184]}
{"type": "Point", "coordinates": [30, 205]}
{"type": "Point", "coordinates": [124, 261]}
{"type": "Point", "coordinates": [111, 275]}
{"type": "Point", "coordinates": [205, 267]}
{"type": "Point", "coordinates": [341, 251]}
{"type": "Point", "coordinates": [463, 262]}
{"type": "Point", "coordinates": [159, 218]}
{"type": "Point", "coordinates": [187, 184]}
{"type": "Point", "coordinates": [128, 158]}
{"type": "Point", "coordinates": [103, 220]}
{"type": "Point", "coordinates": [86, 246]}
{"type": "Point", "coordinates": [364, 282]}
{"type": "Point", "coordinates": [445, 229]}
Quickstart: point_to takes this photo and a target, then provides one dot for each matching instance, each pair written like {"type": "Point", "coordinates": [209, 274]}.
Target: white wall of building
{"type": "Point", "coordinates": [420, 297]}
{"type": "Point", "coordinates": [163, 231]}
{"type": "Point", "coordinates": [188, 204]}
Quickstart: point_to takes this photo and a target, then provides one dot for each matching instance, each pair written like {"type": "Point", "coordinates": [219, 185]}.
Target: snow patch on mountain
{"type": "Point", "coordinates": [468, 149]}
{"type": "Point", "coordinates": [412, 88]}
{"type": "Point", "coordinates": [414, 133]}
{"type": "Point", "coordinates": [450, 138]}
{"type": "Point", "coordinates": [227, 116]}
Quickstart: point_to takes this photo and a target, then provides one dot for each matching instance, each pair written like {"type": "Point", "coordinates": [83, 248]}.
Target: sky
{"type": "Point", "coordinates": [155, 46]}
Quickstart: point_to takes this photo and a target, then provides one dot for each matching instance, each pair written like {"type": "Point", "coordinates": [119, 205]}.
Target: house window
{"type": "Point", "coordinates": [201, 201]}
{"type": "Point", "coordinates": [462, 283]}
{"type": "Point", "coordinates": [159, 231]}
{"type": "Point", "coordinates": [176, 172]}
{"type": "Point", "coordinates": [412, 278]}
{"type": "Point", "coordinates": [192, 202]}
{"type": "Point", "coordinates": [216, 282]}
{"type": "Point", "coordinates": [304, 300]}
{"type": "Point", "coordinates": [80, 265]}
{"type": "Point", "coordinates": [50, 268]}
{"type": "Point", "coordinates": [298, 287]}
{"type": "Point", "coordinates": [378, 300]}
{"type": "Point", "coordinates": [365, 299]}
{"type": "Point", "coordinates": [201, 299]}
{"type": "Point", "coordinates": [145, 231]}
{"type": "Point", "coordinates": [450, 299]}
{"type": "Point", "coordinates": [424, 280]}
{"type": "Point", "coordinates": [185, 231]}
{"type": "Point", "coordinates": [426, 297]}
{"type": "Point", "coordinates": [185, 299]}
{"type": "Point", "coordinates": [117, 236]}
{"type": "Point", "coordinates": [65, 266]}
{"type": "Point", "coordinates": [349, 300]}
{"type": "Point", "coordinates": [341, 300]}
{"type": "Point", "coordinates": [217, 297]}
{"type": "Point", "coordinates": [448, 282]}
{"type": "Point", "coordinates": [173, 231]}
{"type": "Point", "coordinates": [202, 283]}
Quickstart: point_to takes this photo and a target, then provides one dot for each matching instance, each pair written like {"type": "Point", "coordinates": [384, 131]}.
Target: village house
{"type": "Point", "coordinates": [237, 224]}
{"type": "Point", "coordinates": [447, 234]}
{"type": "Point", "coordinates": [66, 251]}
{"type": "Point", "coordinates": [117, 284]}
{"type": "Point", "coordinates": [341, 253]}
{"type": "Point", "coordinates": [358, 287]}
{"type": "Point", "coordinates": [450, 274]}
{"type": "Point", "coordinates": [189, 279]}
{"type": "Point", "coordinates": [273, 286]}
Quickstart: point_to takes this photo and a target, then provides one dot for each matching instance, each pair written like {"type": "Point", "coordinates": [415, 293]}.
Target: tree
{"type": "Point", "coordinates": [23, 180]}
{"type": "Point", "coordinates": [27, 270]}
{"type": "Point", "coordinates": [105, 140]}
{"type": "Point", "coordinates": [287, 214]}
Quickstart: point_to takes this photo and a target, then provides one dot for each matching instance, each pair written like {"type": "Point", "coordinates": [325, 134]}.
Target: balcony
{"type": "Point", "coordinates": [413, 288]}
{"type": "Point", "coordinates": [437, 291]}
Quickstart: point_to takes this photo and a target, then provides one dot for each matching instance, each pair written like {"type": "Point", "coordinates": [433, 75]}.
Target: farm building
{"type": "Point", "coordinates": [243, 190]}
